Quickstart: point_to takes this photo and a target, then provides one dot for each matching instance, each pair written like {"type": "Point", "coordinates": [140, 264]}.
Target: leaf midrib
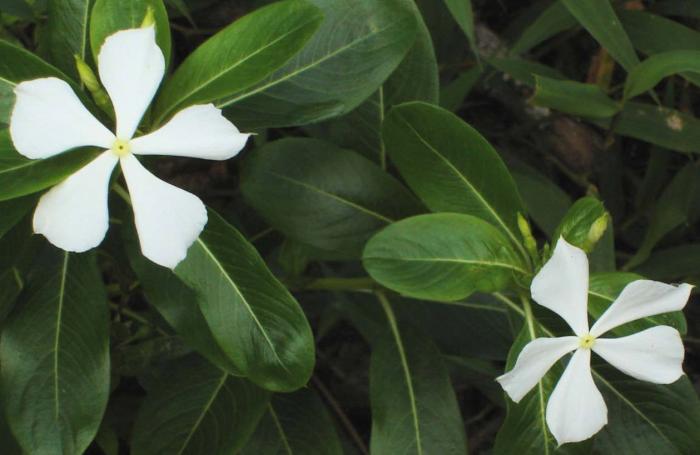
{"type": "Point", "coordinates": [202, 86]}
{"type": "Point", "coordinates": [205, 410]}
{"type": "Point", "coordinates": [451, 260]}
{"type": "Point", "coordinates": [243, 300]}
{"type": "Point", "coordinates": [280, 430]}
{"type": "Point", "coordinates": [344, 201]}
{"type": "Point", "coordinates": [57, 335]}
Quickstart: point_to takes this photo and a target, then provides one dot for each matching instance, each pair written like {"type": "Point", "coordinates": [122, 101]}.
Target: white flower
{"type": "Point", "coordinates": [48, 119]}
{"type": "Point", "coordinates": [576, 410]}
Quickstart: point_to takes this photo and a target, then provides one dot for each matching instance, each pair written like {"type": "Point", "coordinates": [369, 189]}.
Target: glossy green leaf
{"type": "Point", "coordinates": [55, 356]}
{"type": "Point", "coordinates": [587, 214]}
{"type": "Point", "coordinates": [20, 176]}
{"type": "Point", "coordinates": [295, 424]}
{"type": "Point", "coordinates": [452, 95]}
{"type": "Point", "coordinates": [586, 100]}
{"type": "Point", "coordinates": [194, 409]}
{"type": "Point", "coordinates": [463, 14]}
{"type": "Point", "coordinates": [359, 44]}
{"type": "Point", "coordinates": [450, 166]}
{"type": "Point", "coordinates": [546, 202]}
{"type": "Point", "coordinates": [601, 21]}
{"type": "Point", "coordinates": [177, 303]}
{"type": "Point", "coordinates": [652, 70]}
{"type": "Point", "coordinates": [19, 8]}
{"type": "Point", "coordinates": [414, 408]}
{"type": "Point", "coordinates": [66, 34]}
{"type": "Point", "coordinates": [240, 55]}
{"type": "Point", "coordinates": [110, 16]}
{"type": "Point", "coordinates": [553, 20]}
{"type": "Point", "coordinates": [444, 257]}
{"type": "Point", "coordinates": [254, 319]}
{"type": "Point", "coordinates": [671, 210]}
{"type": "Point", "coordinates": [323, 196]}
{"type": "Point", "coordinates": [525, 71]}
{"type": "Point", "coordinates": [17, 65]}
{"type": "Point", "coordinates": [603, 290]}
{"type": "Point", "coordinates": [10, 286]}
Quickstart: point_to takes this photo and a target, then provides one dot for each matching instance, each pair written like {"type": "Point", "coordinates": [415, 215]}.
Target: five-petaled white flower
{"type": "Point", "coordinates": [576, 410]}
{"type": "Point", "coordinates": [48, 119]}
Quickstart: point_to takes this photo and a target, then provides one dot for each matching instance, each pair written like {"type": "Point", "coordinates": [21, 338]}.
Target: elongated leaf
{"type": "Point", "coordinates": [10, 286]}
{"type": "Point", "coordinates": [254, 319]}
{"type": "Point", "coordinates": [295, 424]}
{"type": "Point", "coordinates": [20, 176]}
{"type": "Point", "coordinates": [671, 210]}
{"type": "Point", "coordinates": [323, 196]}
{"type": "Point", "coordinates": [55, 356]}
{"type": "Point", "coordinates": [443, 256]}
{"type": "Point", "coordinates": [652, 70]}
{"type": "Point", "coordinates": [13, 211]}
{"type": "Point", "coordinates": [525, 71]}
{"type": "Point", "coordinates": [599, 18]}
{"type": "Point", "coordinates": [463, 14]}
{"type": "Point", "coordinates": [110, 16]}
{"type": "Point", "coordinates": [586, 100]}
{"type": "Point", "coordinates": [177, 303]}
{"type": "Point", "coordinates": [450, 166]}
{"type": "Point", "coordinates": [336, 71]}
{"type": "Point", "coordinates": [196, 409]}
{"type": "Point", "coordinates": [19, 8]}
{"type": "Point", "coordinates": [240, 55]}
{"type": "Point", "coordinates": [576, 224]}
{"type": "Point", "coordinates": [414, 408]}
{"type": "Point", "coordinates": [671, 264]}
{"type": "Point", "coordinates": [604, 289]}
{"type": "Point", "coordinates": [66, 34]}
{"type": "Point", "coordinates": [553, 20]}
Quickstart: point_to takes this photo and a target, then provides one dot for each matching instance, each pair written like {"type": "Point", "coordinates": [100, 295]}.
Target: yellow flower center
{"type": "Point", "coordinates": [587, 341]}
{"type": "Point", "coordinates": [121, 148]}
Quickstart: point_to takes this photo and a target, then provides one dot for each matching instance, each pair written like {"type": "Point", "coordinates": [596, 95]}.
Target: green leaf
{"type": "Point", "coordinates": [359, 44]}
{"type": "Point", "coordinates": [444, 257]}
{"type": "Point", "coordinates": [414, 408]}
{"type": "Point", "coordinates": [55, 356]}
{"type": "Point", "coordinates": [463, 14]}
{"type": "Point", "coordinates": [604, 288]}
{"type": "Point", "coordinates": [671, 210]}
{"type": "Point", "coordinates": [252, 316]}
{"type": "Point", "coordinates": [450, 166]}
{"type": "Point", "coordinates": [240, 56]}
{"type": "Point", "coordinates": [10, 286]}
{"type": "Point", "coordinates": [652, 70]}
{"type": "Point", "coordinates": [177, 303]}
{"type": "Point", "coordinates": [545, 201]}
{"type": "Point", "coordinates": [599, 18]}
{"type": "Point", "coordinates": [194, 409]}
{"type": "Point", "coordinates": [20, 176]}
{"type": "Point", "coordinates": [13, 211]}
{"type": "Point", "coordinates": [645, 418]}
{"type": "Point", "coordinates": [295, 424]}
{"type": "Point", "coordinates": [19, 8]}
{"type": "Point", "coordinates": [452, 95]}
{"type": "Point", "coordinates": [111, 16]}
{"type": "Point", "coordinates": [578, 221]}
{"type": "Point", "coordinates": [555, 19]}
{"type": "Point", "coordinates": [17, 65]}
{"type": "Point", "coordinates": [586, 100]}
{"type": "Point", "coordinates": [323, 196]}
{"type": "Point", "coordinates": [524, 71]}
{"type": "Point", "coordinates": [66, 34]}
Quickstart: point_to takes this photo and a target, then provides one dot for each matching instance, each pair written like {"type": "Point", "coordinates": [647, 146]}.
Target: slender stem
{"type": "Point", "coordinates": [509, 303]}
{"type": "Point", "coordinates": [344, 420]}
{"type": "Point", "coordinates": [529, 318]}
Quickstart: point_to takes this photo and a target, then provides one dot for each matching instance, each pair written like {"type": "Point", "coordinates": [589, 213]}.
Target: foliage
{"type": "Point", "coordinates": [364, 274]}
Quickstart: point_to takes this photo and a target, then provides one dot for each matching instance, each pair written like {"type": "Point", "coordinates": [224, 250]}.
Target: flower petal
{"type": "Point", "coordinates": [198, 132]}
{"type": "Point", "coordinates": [562, 285]}
{"type": "Point", "coordinates": [576, 409]}
{"type": "Point", "coordinates": [654, 355]}
{"type": "Point", "coordinates": [73, 215]}
{"type": "Point", "coordinates": [168, 219]}
{"type": "Point", "coordinates": [536, 358]}
{"type": "Point", "coordinates": [640, 299]}
{"type": "Point", "coordinates": [48, 118]}
{"type": "Point", "coordinates": [131, 67]}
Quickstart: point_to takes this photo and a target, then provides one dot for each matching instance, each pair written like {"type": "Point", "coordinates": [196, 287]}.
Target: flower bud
{"type": "Point", "coordinates": [89, 79]}
{"type": "Point", "coordinates": [528, 239]}
{"type": "Point", "coordinates": [150, 18]}
{"type": "Point", "coordinates": [596, 231]}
